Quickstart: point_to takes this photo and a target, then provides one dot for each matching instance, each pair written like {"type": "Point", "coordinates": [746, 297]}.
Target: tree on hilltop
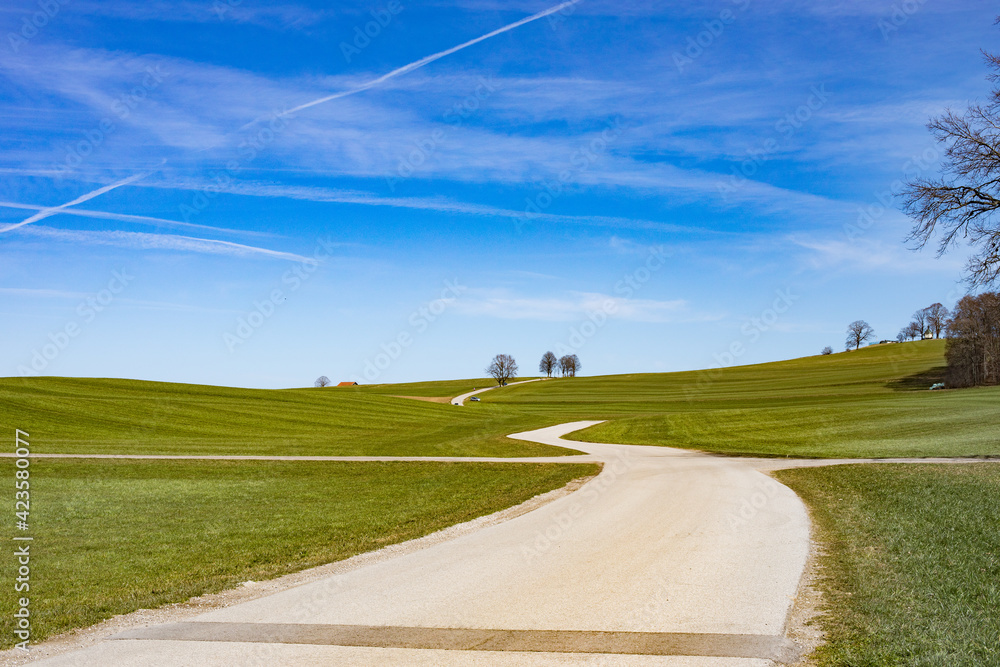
{"type": "Point", "coordinates": [502, 368]}
{"type": "Point", "coordinates": [569, 365]}
{"type": "Point", "coordinates": [547, 364]}
{"type": "Point", "coordinates": [858, 332]}
{"type": "Point", "coordinates": [912, 331]}
{"type": "Point", "coordinates": [937, 318]}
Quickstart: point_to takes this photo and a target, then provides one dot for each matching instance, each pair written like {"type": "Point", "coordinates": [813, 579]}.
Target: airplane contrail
{"type": "Point", "coordinates": [47, 212]}
{"type": "Point", "coordinates": [127, 217]}
{"type": "Point", "coordinates": [144, 241]}
{"type": "Point", "coordinates": [426, 60]}
{"type": "Point", "coordinates": [53, 210]}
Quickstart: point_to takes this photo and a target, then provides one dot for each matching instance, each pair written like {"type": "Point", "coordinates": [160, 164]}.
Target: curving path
{"type": "Point", "coordinates": [667, 557]}
{"type": "Point", "coordinates": [460, 400]}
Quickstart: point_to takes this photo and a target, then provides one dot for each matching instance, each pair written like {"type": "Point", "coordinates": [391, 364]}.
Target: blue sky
{"type": "Point", "coordinates": [653, 186]}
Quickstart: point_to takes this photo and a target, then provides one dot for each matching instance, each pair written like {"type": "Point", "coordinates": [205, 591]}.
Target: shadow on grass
{"type": "Point", "coordinates": [919, 381]}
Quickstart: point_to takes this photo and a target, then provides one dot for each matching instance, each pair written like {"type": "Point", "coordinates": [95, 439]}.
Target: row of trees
{"type": "Point", "coordinates": [567, 365]}
{"type": "Point", "coordinates": [973, 332]}
{"type": "Point", "coordinates": [930, 320]}
{"type": "Point", "coordinates": [504, 368]}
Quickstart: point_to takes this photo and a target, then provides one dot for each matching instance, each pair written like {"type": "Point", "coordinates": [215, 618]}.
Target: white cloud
{"type": "Point", "coordinates": [199, 106]}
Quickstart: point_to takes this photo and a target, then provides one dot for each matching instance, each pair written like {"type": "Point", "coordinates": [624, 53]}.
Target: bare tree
{"type": "Point", "coordinates": [913, 331]}
{"type": "Point", "coordinates": [937, 318]}
{"type": "Point", "coordinates": [962, 204]}
{"type": "Point", "coordinates": [569, 365]}
{"type": "Point", "coordinates": [920, 320]}
{"type": "Point", "coordinates": [827, 350]}
{"type": "Point", "coordinates": [502, 368]}
{"type": "Point", "coordinates": [902, 335]}
{"type": "Point", "coordinates": [322, 381]}
{"type": "Point", "coordinates": [547, 364]}
{"type": "Point", "coordinates": [858, 332]}
{"type": "Point", "coordinates": [973, 352]}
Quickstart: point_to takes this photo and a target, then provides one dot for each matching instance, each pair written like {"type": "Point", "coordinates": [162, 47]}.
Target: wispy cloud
{"type": "Point", "coordinates": [867, 255]}
{"type": "Point", "coordinates": [518, 141]}
{"type": "Point", "coordinates": [434, 203]}
{"type": "Point", "coordinates": [503, 304]}
{"type": "Point", "coordinates": [33, 293]}
{"type": "Point", "coordinates": [42, 293]}
{"type": "Point", "coordinates": [267, 15]}
{"type": "Point", "coordinates": [144, 241]}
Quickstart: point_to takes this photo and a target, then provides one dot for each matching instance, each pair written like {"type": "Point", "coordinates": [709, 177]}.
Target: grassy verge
{"type": "Point", "coordinates": [911, 569]}
{"type": "Point", "coordinates": [115, 536]}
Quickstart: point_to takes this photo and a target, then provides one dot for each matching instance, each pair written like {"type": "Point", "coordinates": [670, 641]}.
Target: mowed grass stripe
{"type": "Point", "coordinates": [114, 536]}
{"type": "Point", "coordinates": [105, 416]}
{"type": "Point", "coordinates": [839, 377]}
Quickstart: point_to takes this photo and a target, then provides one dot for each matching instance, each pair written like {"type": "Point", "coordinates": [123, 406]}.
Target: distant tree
{"type": "Point", "coordinates": [827, 350]}
{"type": "Point", "coordinates": [322, 381]}
{"type": "Point", "coordinates": [858, 332]}
{"type": "Point", "coordinates": [973, 351]}
{"type": "Point", "coordinates": [937, 318]}
{"type": "Point", "coordinates": [920, 319]}
{"type": "Point", "coordinates": [913, 331]}
{"type": "Point", "coordinates": [902, 335]}
{"type": "Point", "coordinates": [569, 365]}
{"type": "Point", "coordinates": [962, 205]}
{"type": "Point", "coordinates": [502, 368]}
{"type": "Point", "coordinates": [547, 364]}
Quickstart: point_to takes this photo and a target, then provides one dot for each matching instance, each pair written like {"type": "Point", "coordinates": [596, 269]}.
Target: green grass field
{"type": "Point", "coordinates": [911, 562]}
{"type": "Point", "coordinates": [113, 536]}
{"type": "Point", "coordinates": [870, 403]}
{"type": "Point", "coordinates": [132, 417]}
{"type": "Point", "coordinates": [96, 516]}
{"type": "Point", "coordinates": [438, 389]}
